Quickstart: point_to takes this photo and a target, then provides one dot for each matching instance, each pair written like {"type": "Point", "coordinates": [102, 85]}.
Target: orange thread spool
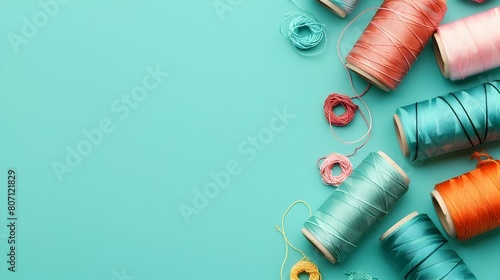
{"type": "Point", "coordinates": [396, 35]}
{"type": "Point", "coordinates": [469, 205]}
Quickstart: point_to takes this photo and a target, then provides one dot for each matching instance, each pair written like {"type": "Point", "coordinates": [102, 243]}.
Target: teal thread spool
{"type": "Point", "coordinates": [340, 7]}
{"type": "Point", "coordinates": [364, 198]}
{"type": "Point", "coordinates": [448, 123]}
{"type": "Point", "coordinates": [419, 251]}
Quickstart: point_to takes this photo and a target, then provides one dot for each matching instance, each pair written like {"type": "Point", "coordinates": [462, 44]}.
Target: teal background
{"type": "Point", "coordinates": [116, 215]}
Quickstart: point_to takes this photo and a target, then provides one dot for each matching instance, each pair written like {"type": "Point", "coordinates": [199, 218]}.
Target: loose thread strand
{"type": "Point", "coordinates": [304, 265]}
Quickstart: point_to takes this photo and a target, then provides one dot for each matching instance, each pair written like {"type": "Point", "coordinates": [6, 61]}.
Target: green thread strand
{"type": "Point", "coordinates": [364, 198]}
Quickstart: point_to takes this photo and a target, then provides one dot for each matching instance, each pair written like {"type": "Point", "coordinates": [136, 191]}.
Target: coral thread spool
{"type": "Point", "coordinates": [393, 39]}
{"type": "Point", "coordinates": [377, 173]}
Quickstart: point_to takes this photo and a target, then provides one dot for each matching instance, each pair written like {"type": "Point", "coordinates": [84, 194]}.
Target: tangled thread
{"type": "Point", "coordinates": [305, 266]}
{"type": "Point", "coordinates": [327, 165]}
{"type": "Point", "coordinates": [344, 119]}
{"type": "Point", "coordinates": [345, 101]}
{"type": "Point", "coordinates": [304, 31]}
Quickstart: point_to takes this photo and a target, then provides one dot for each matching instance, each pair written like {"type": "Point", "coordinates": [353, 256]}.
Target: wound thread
{"type": "Point", "coordinates": [455, 121]}
{"type": "Point", "coordinates": [327, 165]}
{"type": "Point", "coordinates": [365, 197]}
{"type": "Point", "coordinates": [419, 251]}
{"type": "Point", "coordinates": [393, 39]}
{"type": "Point", "coordinates": [469, 46]}
{"type": "Point", "coordinates": [471, 200]}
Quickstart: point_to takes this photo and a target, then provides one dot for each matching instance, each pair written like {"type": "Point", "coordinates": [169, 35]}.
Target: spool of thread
{"type": "Point", "coordinates": [419, 251]}
{"type": "Point", "coordinates": [469, 46]}
{"type": "Point", "coordinates": [393, 39]}
{"type": "Point", "coordinates": [340, 7]}
{"type": "Point", "coordinates": [448, 123]}
{"type": "Point", "coordinates": [469, 205]}
{"type": "Point", "coordinates": [364, 198]}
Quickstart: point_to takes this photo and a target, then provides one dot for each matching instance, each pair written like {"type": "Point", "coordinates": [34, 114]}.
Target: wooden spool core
{"type": "Point", "coordinates": [443, 214]}
{"type": "Point", "coordinates": [319, 246]}
{"type": "Point", "coordinates": [366, 76]}
{"type": "Point", "coordinates": [400, 133]}
{"type": "Point", "coordinates": [440, 53]}
{"type": "Point", "coordinates": [397, 225]}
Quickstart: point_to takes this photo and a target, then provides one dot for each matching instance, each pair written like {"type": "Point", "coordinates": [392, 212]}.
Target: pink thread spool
{"type": "Point", "coordinates": [468, 46]}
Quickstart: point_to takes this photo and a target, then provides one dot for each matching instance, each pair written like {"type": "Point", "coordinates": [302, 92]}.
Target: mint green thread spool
{"type": "Point", "coordinates": [365, 197]}
{"type": "Point", "coordinates": [419, 251]}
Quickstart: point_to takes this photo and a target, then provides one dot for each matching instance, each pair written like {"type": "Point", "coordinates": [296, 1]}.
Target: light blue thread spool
{"type": "Point", "coordinates": [365, 197]}
{"type": "Point", "coordinates": [451, 122]}
{"type": "Point", "coordinates": [340, 7]}
{"type": "Point", "coordinates": [419, 251]}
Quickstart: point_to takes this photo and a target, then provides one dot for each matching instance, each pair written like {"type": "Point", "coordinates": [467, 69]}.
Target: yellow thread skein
{"type": "Point", "coordinates": [304, 265]}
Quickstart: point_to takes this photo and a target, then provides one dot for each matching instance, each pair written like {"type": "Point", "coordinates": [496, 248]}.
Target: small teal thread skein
{"type": "Point", "coordinates": [451, 122]}
{"type": "Point", "coordinates": [304, 31]}
{"type": "Point", "coordinates": [419, 251]}
{"type": "Point", "coordinates": [364, 198]}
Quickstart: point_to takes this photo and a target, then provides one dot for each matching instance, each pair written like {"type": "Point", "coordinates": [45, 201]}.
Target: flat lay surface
{"type": "Point", "coordinates": [165, 139]}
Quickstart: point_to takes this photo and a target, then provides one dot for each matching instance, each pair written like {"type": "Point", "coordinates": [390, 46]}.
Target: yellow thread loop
{"type": "Point", "coordinates": [304, 265]}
